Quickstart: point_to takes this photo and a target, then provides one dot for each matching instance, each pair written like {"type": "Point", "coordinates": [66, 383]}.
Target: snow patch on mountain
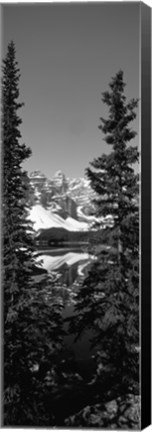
{"type": "Point", "coordinates": [44, 218]}
{"type": "Point", "coordinates": [84, 217]}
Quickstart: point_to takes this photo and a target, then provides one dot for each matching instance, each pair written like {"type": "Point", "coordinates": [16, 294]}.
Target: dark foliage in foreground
{"type": "Point", "coordinates": [108, 301]}
{"type": "Point", "coordinates": [32, 317]}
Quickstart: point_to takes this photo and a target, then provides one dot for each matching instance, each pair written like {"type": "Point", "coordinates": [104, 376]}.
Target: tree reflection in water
{"type": "Point", "coordinates": [68, 271]}
{"type": "Point", "coordinates": [66, 379]}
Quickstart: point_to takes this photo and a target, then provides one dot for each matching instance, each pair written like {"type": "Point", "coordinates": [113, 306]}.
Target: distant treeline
{"type": "Point", "coordinates": [60, 236]}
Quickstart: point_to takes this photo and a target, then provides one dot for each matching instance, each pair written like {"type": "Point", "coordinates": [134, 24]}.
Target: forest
{"type": "Point", "coordinates": [42, 383]}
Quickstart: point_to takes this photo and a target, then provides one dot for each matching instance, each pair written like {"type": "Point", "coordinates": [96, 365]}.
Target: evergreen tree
{"type": "Point", "coordinates": [108, 301]}
{"type": "Point", "coordinates": [32, 317]}
{"type": "Point", "coordinates": [17, 252]}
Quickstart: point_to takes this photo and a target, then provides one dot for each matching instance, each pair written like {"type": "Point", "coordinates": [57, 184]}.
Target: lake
{"type": "Point", "coordinates": [70, 266]}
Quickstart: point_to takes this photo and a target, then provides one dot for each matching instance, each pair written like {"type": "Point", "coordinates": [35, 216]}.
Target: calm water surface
{"type": "Point", "coordinates": [70, 267]}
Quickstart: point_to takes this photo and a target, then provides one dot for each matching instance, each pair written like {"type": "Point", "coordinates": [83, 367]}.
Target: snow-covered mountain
{"type": "Point", "coordinates": [43, 218]}
{"type": "Point", "coordinates": [60, 202]}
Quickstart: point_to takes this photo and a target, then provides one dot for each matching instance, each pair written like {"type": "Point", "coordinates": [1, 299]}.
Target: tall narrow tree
{"type": "Point", "coordinates": [108, 302]}
{"type": "Point", "coordinates": [32, 317]}
{"type": "Point", "coordinates": [17, 251]}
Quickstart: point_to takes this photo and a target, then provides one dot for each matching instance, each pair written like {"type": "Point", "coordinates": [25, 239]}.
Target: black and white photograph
{"type": "Point", "coordinates": [71, 215]}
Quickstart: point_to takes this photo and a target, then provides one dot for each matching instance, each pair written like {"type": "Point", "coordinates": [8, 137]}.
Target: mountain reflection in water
{"type": "Point", "coordinates": [70, 267]}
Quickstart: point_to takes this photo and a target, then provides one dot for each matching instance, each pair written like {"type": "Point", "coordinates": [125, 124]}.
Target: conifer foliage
{"type": "Point", "coordinates": [108, 301]}
{"type": "Point", "coordinates": [31, 318]}
{"type": "Point", "coordinates": [17, 251]}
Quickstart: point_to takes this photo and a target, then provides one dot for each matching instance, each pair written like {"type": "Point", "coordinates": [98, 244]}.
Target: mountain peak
{"type": "Point", "coordinates": [36, 174]}
{"type": "Point", "coordinates": [59, 173]}
{"type": "Point", "coordinates": [59, 178]}
{"type": "Point", "coordinates": [62, 196]}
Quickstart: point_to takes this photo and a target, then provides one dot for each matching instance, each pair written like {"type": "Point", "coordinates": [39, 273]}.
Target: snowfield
{"type": "Point", "coordinates": [45, 218]}
{"type": "Point", "coordinates": [86, 218]}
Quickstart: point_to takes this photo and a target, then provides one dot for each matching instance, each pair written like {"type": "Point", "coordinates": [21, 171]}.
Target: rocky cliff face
{"type": "Point", "coordinates": [64, 196]}
{"type": "Point", "coordinates": [63, 202]}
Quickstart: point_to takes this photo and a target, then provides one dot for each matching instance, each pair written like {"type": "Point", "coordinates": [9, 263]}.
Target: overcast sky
{"type": "Point", "coordinates": [67, 54]}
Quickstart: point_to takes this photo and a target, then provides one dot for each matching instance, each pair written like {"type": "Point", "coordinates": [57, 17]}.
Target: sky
{"type": "Point", "coordinates": [67, 54]}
